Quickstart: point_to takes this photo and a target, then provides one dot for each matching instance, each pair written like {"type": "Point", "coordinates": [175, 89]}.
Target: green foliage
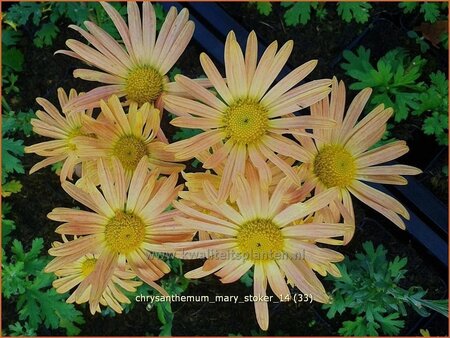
{"type": "Point", "coordinates": [393, 80]}
{"type": "Point", "coordinates": [369, 290]}
{"type": "Point", "coordinates": [298, 12]}
{"type": "Point", "coordinates": [395, 83]}
{"type": "Point", "coordinates": [46, 35]}
{"type": "Point", "coordinates": [11, 151]}
{"type": "Point", "coordinates": [19, 330]}
{"type": "Point", "coordinates": [18, 122]}
{"type": "Point", "coordinates": [435, 100]}
{"type": "Point", "coordinates": [247, 278]}
{"type": "Point", "coordinates": [36, 301]}
{"type": "Point", "coordinates": [12, 58]}
{"type": "Point", "coordinates": [358, 11]}
{"type": "Point", "coordinates": [263, 7]}
{"type": "Point", "coordinates": [432, 11]}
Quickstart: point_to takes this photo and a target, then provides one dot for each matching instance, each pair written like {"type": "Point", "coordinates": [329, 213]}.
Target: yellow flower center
{"type": "Point", "coordinates": [246, 121]}
{"type": "Point", "coordinates": [124, 232]}
{"type": "Point", "coordinates": [88, 266]}
{"type": "Point", "coordinates": [144, 84]}
{"type": "Point", "coordinates": [335, 166]}
{"type": "Point", "coordinates": [129, 150]}
{"type": "Point", "coordinates": [260, 240]}
{"type": "Point", "coordinates": [76, 131]}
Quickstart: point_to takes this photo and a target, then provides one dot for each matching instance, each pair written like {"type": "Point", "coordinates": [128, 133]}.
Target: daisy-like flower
{"type": "Point", "coordinates": [249, 121]}
{"type": "Point", "coordinates": [129, 137]}
{"type": "Point", "coordinates": [260, 233]}
{"type": "Point", "coordinates": [62, 129]}
{"type": "Point", "coordinates": [71, 275]}
{"type": "Point", "coordinates": [128, 223]}
{"type": "Point", "coordinates": [138, 69]}
{"type": "Point", "coordinates": [340, 158]}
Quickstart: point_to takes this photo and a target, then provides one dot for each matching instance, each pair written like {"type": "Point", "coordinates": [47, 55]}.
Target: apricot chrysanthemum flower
{"type": "Point", "coordinates": [139, 70]}
{"type": "Point", "coordinates": [62, 128]}
{"type": "Point", "coordinates": [340, 157]}
{"type": "Point", "coordinates": [260, 232]}
{"type": "Point", "coordinates": [249, 120]}
{"type": "Point", "coordinates": [73, 274]}
{"type": "Point", "coordinates": [129, 137]}
{"type": "Point", "coordinates": [128, 222]}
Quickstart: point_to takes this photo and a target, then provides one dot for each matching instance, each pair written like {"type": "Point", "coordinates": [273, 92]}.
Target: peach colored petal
{"type": "Point", "coordinates": [178, 47]}
{"type": "Point", "coordinates": [200, 93]}
{"type": "Point", "coordinates": [96, 58]}
{"type": "Point", "coordinates": [288, 82]}
{"type": "Point", "coordinates": [216, 79]}
{"type": "Point", "coordinates": [196, 122]}
{"type": "Point", "coordinates": [259, 290]}
{"type": "Point", "coordinates": [93, 75]}
{"type": "Point", "coordinates": [280, 163]}
{"type": "Point", "coordinates": [121, 27]}
{"type": "Point", "coordinates": [385, 153]}
{"type": "Point", "coordinates": [354, 111]}
{"type": "Point", "coordinates": [110, 44]}
{"type": "Point", "coordinates": [148, 30]}
{"type": "Point", "coordinates": [261, 70]}
{"type": "Point", "coordinates": [184, 107]}
{"type": "Point", "coordinates": [300, 210]}
{"type": "Point", "coordinates": [380, 198]}
{"type": "Point", "coordinates": [304, 278]}
{"type": "Point", "coordinates": [190, 223]}
{"type": "Point", "coordinates": [278, 63]}
{"type": "Point", "coordinates": [386, 212]}
{"type": "Point", "coordinates": [251, 57]}
{"type": "Point", "coordinates": [92, 98]}
{"type": "Point", "coordinates": [276, 281]}
{"type": "Point", "coordinates": [396, 169]}
{"type": "Point", "coordinates": [302, 96]}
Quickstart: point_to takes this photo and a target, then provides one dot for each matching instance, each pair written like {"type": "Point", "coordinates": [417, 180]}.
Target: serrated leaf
{"type": "Point", "coordinates": [430, 10]}
{"type": "Point", "coordinates": [11, 150]}
{"type": "Point", "coordinates": [10, 37]}
{"type": "Point", "coordinates": [407, 7]}
{"type": "Point", "coordinates": [264, 8]}
{"type": "Point", "coordinates": [298, 13]}
{"type": "Point", "coordinates": [358, 11]}
{"type": "Point", "coordinates": [13, 58]}
{"type": "Point", "coordinates": [46, 35]}
{"type": "Point", "coordinates": [11, 187]}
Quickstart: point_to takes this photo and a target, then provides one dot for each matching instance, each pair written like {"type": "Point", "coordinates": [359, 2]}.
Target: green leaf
{"type": "Point", "coordinates": [13, 58]}
{"type": "Point", "coordinates": [18, 330]}
{"type": "Point", "coordinates": [10, 37]}
{"type": "Point", "coordinates": [11, 150]}
{"type": "Point", "coordinates": [390, 324]}
{"type": "Point", "coordinates": [46, 35]}
{"type": "Point", "coordinates": [298, 13]}
{"type": "Point", "coordinates": [247, 278]}
{"type": "Point", "coordinates": [430, 10]}
{"type": "Point", "coordinates": [358, 11]}
{"type": "Point", "coordinates": [20, 13]}
{"type": "Point", "coordinates": [407, 7]}
{"type": "Point", "coordinates": [11, 187]}
{"type": "Point", "coordinates": [264, 8]}
{"type": "Point", "coordinates": [185, 133]}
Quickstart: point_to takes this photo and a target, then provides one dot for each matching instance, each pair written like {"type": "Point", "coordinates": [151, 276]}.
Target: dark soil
{"type": "Point", "coordinates": [44, 73]}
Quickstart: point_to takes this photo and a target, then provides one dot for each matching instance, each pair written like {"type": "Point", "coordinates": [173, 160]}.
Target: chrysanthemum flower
{"type": "Point", "coordinates": [341, 158]}
{"type": "Point", "coordinates": [128, 223]}
{"type": "Point", "coordinates": [261, 232]}
{"type": "Point", "coordinates": [62, 128]}
{"type": "Point", "coordinates": [71, 275]}
{"type": "Point", "coordinates": [249, 121]}
{"type": "Point", "coordinates": [129, 137]}
{"type": "Point", "coordinates": [139, 70]}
